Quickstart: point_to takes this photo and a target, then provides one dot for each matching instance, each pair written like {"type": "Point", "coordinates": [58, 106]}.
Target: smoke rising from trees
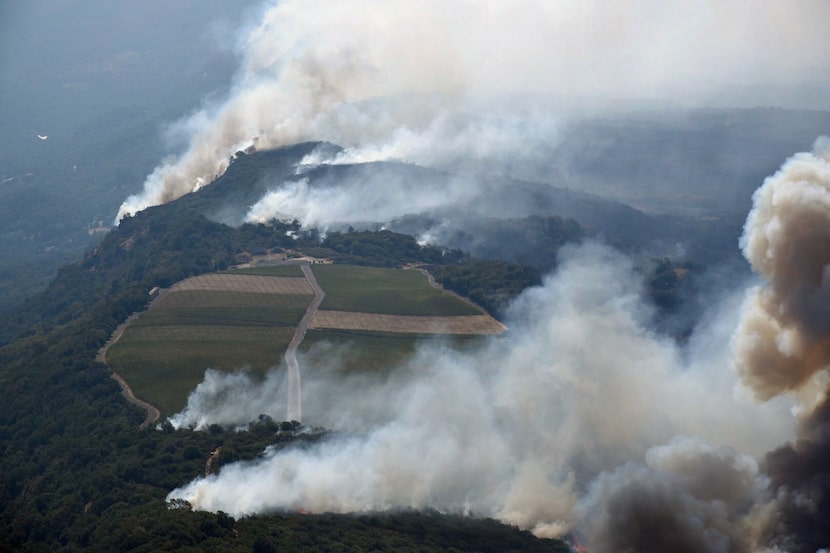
{"type": "Point", "coordinates": [383, 78]}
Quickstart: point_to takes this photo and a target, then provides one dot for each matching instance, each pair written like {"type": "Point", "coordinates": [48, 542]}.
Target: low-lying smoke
{"type": "Point", "coordinates": [327, 191]}
{"type": "Point", "coordinates": [220, 397]}
{"type": "Point", "coordinates": [488, 139]}
{"type": "Point", "coordinates": [378, 197]}
{"type": "Point", "coordinates": [533, 429]}
{"type": "Point", "coordinates": [398, 79]}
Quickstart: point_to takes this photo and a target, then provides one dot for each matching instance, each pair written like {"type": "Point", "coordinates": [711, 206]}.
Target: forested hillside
{"type": "Point", "coordinates": [80, 474]}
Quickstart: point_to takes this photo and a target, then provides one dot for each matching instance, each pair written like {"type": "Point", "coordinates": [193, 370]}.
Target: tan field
{"type": "Point", "coordinates": [246, 283]}
{"type": "Point", "coordinates": [407, 324]}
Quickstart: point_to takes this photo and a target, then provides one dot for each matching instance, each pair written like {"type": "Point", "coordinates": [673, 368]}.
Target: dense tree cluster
{"type": "Point", "coordinates": [533, 241]}
{"type": "Point", "coordinates": [490, 284]}
{"type": "Point", "coordinates": [384, 248]}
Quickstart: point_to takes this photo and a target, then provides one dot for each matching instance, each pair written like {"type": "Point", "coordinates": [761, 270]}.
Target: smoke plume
{"type": "Point", "coordinates": [378, 196]}
{"type": "Point", "coordinates": [388, 78]}
{"type": "Point", "coordinates": [784, 339]}
{"type": "Point", "coordinates": [219, 398]}
{"type": "Point", "coordinates": [537, 429]}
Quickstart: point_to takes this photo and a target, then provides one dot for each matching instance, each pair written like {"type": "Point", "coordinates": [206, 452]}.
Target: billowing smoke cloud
{"type": "Point", "coordinates": [800, 478]}
{"type": "Point", "coordinates": [384, 78]}
{"type": "Point", "coordinates": [537, 429]}
{"type": "Point", "coordinates": [784, 338]}
{"type": "Point", "coordinates": [688, 497]}
{"type": "Point", "coordinates": [783, 342]}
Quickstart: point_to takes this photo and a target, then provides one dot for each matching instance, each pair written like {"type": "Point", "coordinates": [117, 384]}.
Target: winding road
{"type": "Point", "coordinates": [153, 414]}
{"type": "Point", "coordinates": [295, 385]}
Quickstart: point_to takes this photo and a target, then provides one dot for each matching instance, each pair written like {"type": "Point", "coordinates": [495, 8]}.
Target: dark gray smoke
{"type": "Point", "coordinates": [688, 497]}
{"type": "Point", "coordinates": [800, 475]}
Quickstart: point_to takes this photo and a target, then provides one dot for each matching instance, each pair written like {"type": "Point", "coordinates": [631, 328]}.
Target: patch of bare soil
{"type": "Point", "coordinates": [408, 324]}
{"type": "Point", "coordinates": [246, 283]}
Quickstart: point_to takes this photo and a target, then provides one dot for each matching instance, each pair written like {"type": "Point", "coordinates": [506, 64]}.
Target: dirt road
{"type": "Point", "coordinates": [153, 414]}
{"type": "Point", "coordinates": [295, 385]}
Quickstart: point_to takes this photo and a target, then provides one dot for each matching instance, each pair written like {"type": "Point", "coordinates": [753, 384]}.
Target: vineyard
{"type": "Point", "coordinates": [245, 319]}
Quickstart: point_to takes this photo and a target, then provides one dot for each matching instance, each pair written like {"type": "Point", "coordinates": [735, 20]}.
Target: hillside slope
{"type": "Point", "coordinates": [82, 476]}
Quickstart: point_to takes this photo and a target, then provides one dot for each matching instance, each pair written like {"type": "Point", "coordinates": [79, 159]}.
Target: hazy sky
{"type": "Point", "coordinates": [64, 60]}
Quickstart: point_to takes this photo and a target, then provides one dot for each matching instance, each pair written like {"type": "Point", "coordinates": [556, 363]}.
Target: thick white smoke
{"type": "Point", "coordinates": [380, 77]}
{"type": "Point", "coordinates": [380, 194]}
{"type": "Point", "coordinates": [528, 427]}
{"type": "Point", "coordinates": [221, 396]}
{"type": "Point", "coordinates": [375, 198]}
